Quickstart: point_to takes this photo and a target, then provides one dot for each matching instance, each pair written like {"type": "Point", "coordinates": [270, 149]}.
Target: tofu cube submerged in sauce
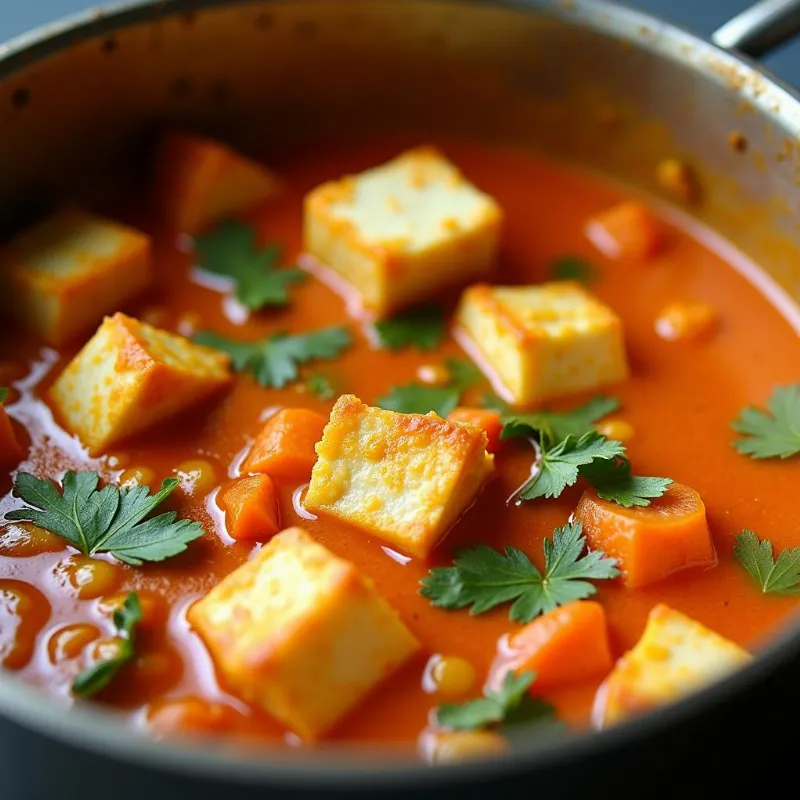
{"type": "Point", "coordinates": [60, 277]}
{"type": "Point", "coordinates": [403, 232]}
{"type": "Point", "coordinates": [544, 341]}
{"type": "Point", "coordinates": [131, 375]}
{"type": "Point", "coordinates": [404, 478]}
{"type": "Point", "coordinates": [301, 633]}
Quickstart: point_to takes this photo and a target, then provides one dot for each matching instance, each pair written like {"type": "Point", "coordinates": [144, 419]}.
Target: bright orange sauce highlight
{"type": "Point", "coordinates": [680, 402]}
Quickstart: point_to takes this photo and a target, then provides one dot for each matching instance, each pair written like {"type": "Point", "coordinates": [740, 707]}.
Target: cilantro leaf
{"type": "Point", "coordinates": [463, 374]}
{"type": "Point", "coordinates": [491, 401]}
{"type": "Point", "coordinates": [231, 250]}
{"type": "Point", "coordinates": [557, 425]}
{"type": "Point", "coordinates": [3, 394]}
{"type": "Point", "coordinates": [423, 328]}
{"type": "Point", "coordinates": [109, 520]}
{"type": "Point", "coordinates": [483, 577]}
{"type": "Point", "coordinates": [781, 576]}
{"type": "Point", "coordinates": [97, 677]}
{"type": "Point", "coordinates": [614, 482]}
{"type": "Point", "coordinates": [572, 268]}
{"type": "Point", "coordinates": [416, 398]}
{"type": "Point", "coordinates": [511, 704]}
{"type": "Point", "coordinates": [320, 386]}
{"type": "Point", "coordinates": [273, 361]}
{"type": "Point", "coordinates": [560, 466]}
{"type": "Point", "coordinates": [773, 433]}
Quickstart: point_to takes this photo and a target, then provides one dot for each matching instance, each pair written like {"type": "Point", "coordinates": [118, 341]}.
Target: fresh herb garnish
{"type": "Point", "coordinates": [320, 386]}
{"type": "Point", "coordinates": [274, 361]}
{"type": "Point", "coordinates": [572, 268]}
{"type": "Point", "coordinates": [774, 576]}
{"type": "Point", "coordinates": [110, 520]}
{"type": "Point", "coordinates": [97, 677]}
{"type": "Point", "coordinates": [423, 328]}
{"type": "Point", "coordinates": [774, 433]}
{"type": "Point", "coordinates": [491, 401]}
{"type": "Point", "coordinates": [3, 394]}
{"type": "Point", "coordinates": [613, 481]}
{"type": "Point", "coordinates": [416, 398]}
{"type": "Point", "coordinates": [560, 466]}
{"type": "Point", "coordinates": [231, 250]}
{"type": "Point", "coordinates": [554, 426]}
{"type": "Point", "coordinates": [483, 577]}
{"type": "Point", "coordinates": [511, 704]}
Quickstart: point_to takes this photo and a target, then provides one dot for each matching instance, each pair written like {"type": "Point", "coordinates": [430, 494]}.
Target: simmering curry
{"type": "Point", "coordinates": [227, 510]}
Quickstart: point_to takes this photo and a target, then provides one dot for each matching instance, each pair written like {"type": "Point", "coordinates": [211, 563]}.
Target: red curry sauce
{"type": "Point", "coordinates": [679, 401]}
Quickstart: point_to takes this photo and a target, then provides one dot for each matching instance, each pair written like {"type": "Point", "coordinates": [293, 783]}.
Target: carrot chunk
{"type": "Point", "coordinates": [10, 451]}
{"type": "Point", "coordinates": [565, 646]}
{"type": "Point", "coordinates": [485, 419]}
{"type": "Point", "coordinates": [285, 446]}
{"type": "Point", "coordinates": [626, 231]}
{"type": "Point", "coordinates": [251, 509]}
{"type": "Point", "coordinates": [650, 542]}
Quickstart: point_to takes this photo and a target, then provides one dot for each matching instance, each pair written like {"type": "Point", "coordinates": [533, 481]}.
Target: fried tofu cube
{"type": "Point", "coordinates": [200, 181]}
{"type": "Point", "coordinates": [404, 231]}
{"type": "Point", "coordinates": [64, 274]}
{"type": "Point", "coordinates": [404, 478]}
{"type": "Point", "coordinates": [129, 376]}
{"type": "Point", "coordinates": [540, 342]}
{"type": "Point", "coordinates": [301, 633]}
{"type": "Point", "coordinates": [675, 656]}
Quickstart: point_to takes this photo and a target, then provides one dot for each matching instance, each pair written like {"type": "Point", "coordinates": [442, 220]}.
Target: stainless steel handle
{"type": "Point", "coordinates": [760, 28]}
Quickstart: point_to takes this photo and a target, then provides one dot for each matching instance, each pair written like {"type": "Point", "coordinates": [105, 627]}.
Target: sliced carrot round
{"type": "Point", "coordinates": [565, 646]}
{"type": "Point", "coordinates": [649, 542]}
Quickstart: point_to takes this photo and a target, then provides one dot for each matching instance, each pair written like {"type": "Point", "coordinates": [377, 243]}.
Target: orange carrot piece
{"type": "Point", "coordinates": [650, 542]}
{"type": "Point", "coordinates": [626, 231]}
{"type": "Point", "coordinates": [564, 646]}
{"type": "Point", "coordinates": [10, 451]}
{"type": "Point", "coordinates": [285, 446]}
{"type": "Point", "coordinates": [251, 509]}
{"type": "Point", "coordinates": [485, 419]}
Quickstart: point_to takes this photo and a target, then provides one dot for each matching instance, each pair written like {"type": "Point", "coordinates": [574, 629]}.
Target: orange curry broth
{"type": "Point", "coordinates": [680, 401]}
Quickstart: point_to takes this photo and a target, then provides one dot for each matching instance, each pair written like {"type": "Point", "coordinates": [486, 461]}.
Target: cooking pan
{"type": "Point", "coordinates": [585, 80]}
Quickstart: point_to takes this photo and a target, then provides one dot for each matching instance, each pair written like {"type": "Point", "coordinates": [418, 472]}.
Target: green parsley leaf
{"type": "Point", "coordinates": [773, 433]}
{"type": "Point", "coordinates": [3, 394]}
{"type": "Point", "coordinates": [274, 361]}
{"type": "Point", "coordinates": [614, 482]}
{"type": "Point", "coordinates": [560, 466]}
{"type": "Point", "coordinates": [423, 328]}
{"type": "Point", "coordinates": [572, 268]}
{"type": "Point", "coordinates": [97, 677]}
{"type": "Point", "coordinates": [483, 577]}
{"type": "Point", "coordinates": [491, 401]}
{"type": "Point", "coordinates": [109, 520]}
{"type": "Point", "coordinates": [511, 704]}
{"type": "Point", "coordinates": [557, 425]}
{"type": "Point", "coordinates": [320, 386]}
{"type": "Point", "coordinates": [781, 576]}
{"type": "Point", "coordinates": [463, 374]}
{"type": "Point", "coordinates": [231, 250]}
{"type": "Point", "coordinates": [416, 398]}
